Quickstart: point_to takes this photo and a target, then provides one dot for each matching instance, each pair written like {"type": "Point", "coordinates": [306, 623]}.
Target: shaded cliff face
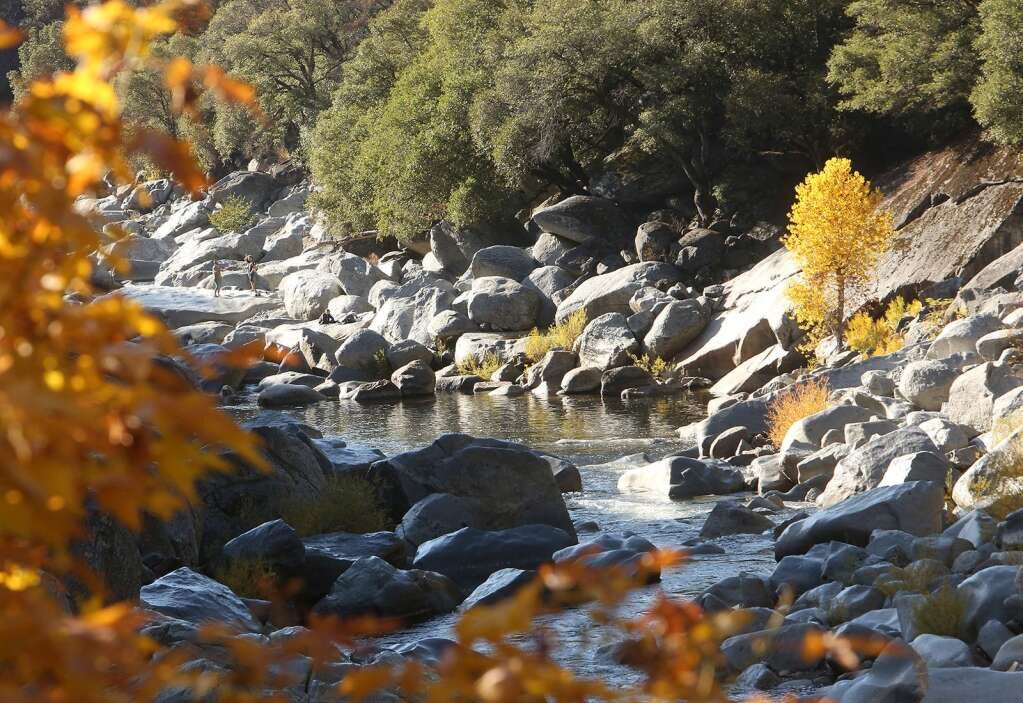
{"type": "Point", "coordinates": [956, 210]}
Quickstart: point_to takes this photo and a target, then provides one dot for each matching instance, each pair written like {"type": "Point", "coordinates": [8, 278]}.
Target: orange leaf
{"type": "Point", "coordinates": [10, 36]}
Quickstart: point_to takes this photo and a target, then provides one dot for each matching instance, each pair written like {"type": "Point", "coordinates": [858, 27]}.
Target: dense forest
{"type": "Point", "coordinates": [410, 111]}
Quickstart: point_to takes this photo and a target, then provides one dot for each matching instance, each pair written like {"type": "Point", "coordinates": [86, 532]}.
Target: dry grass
{"type": "Point", "coordinates": [940, 613]}
{"type": "Point", "coordinates": [484, 368]}
{"type": "Point", "coordinates": [348, 504]}
{"type": "Point", "coordinates": [559, 336]}
{"type": "Point", "coordinates": [248, 578]}
{"type": "Point", "coordinates": [793, 405]}
{"type": "Point", "coordinates": [655, 366]}
{"type": "Point", "coordinates": [915, 578]}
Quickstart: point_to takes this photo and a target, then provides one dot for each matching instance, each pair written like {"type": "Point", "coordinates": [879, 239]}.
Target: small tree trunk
{"type": "Point", "coordinates": [839, 324]}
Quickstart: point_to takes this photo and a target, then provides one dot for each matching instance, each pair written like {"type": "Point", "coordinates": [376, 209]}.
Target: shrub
{"type": "Point", "coordinates": [348, 504]}
{"type": "Point", "coordinates": [940, 613]}
{"type": "Point", "coordinates": [484, 368]}
{"type": "Point", "coordinates": [879, 337]}
{"type": "Point", "coordinates": [915, 578]}
{"type": "Point", "coordinates": [249, 578]}
{"type": "Point", "coordinates": [559, 336]}
{"type": "Point", "coordinates": [655, 366]}
{"type": "Point", "coordinates": [234, 215]}
{"type": "Point", "coordinates": [793, 405]}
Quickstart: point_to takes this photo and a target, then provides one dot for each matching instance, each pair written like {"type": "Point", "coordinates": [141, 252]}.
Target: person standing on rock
{"type": "Point", "coordinates": [218, 278]}
{"type": "Point", "coordinates": [251, 271]}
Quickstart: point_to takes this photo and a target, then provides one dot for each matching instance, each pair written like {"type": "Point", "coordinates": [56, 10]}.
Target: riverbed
{"type": "Point", "coordinates": [590, 432]}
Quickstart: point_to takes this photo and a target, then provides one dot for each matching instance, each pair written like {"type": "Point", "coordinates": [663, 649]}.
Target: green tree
{"type": "Point", "coordinates": [998, 96]}
{"type": "Point", "coordinates": [908, 57]}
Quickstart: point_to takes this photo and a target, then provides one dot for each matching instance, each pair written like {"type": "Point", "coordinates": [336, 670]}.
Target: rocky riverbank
{"type": "Point", "coordinates": [893, 508]}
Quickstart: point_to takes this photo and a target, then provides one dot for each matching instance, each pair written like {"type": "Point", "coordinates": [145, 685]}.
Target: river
{"type": "Point", "coordinates": [588, 431]}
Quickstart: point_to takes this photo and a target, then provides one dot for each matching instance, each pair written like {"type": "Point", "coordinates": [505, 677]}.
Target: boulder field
{"type": "Point", "coordinates": [896, 510]}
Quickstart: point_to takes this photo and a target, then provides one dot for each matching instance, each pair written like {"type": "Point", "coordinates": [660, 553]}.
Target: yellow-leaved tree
{"type": "Point", "coordinates": [837, 231]}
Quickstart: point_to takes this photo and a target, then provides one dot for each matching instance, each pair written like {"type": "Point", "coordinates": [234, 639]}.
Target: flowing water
{"type": "Point", "coordinates": [588, 431]}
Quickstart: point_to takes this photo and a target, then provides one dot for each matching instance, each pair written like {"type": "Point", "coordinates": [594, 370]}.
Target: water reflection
{"type": "Point", "coordinates": [595, 430]}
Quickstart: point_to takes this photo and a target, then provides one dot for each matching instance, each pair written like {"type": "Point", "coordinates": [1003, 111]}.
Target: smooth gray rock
{"type": "Point", "coordinates": [503, 305]}
{"type": "Point", "coordinates": [607, 342]}
{"type": "Point", "coordinates": [729, 518]}
{"type": "Point", "coordinates": [962, 335]}
{"type": "Point", "coordinates": [926, 383]}
{"type": "Point", "coordinates": [913, 507]}
{"type": "Point", "coordinates": [972, 396]}
{"type": "Point", "coordinates": [439, 514]}
{"type": "Point", "coordinates": [375, 588]}
{"type": "Point", "coordinates": [415, 378]}
{"type": "Point", "coordinates": [364, 351]}
{"type": "Point", "coordinates": [283, 395]}
{"type": "Point", "coordinates": [804, 437]}
{"type": "Point", "coordinates": [972, 683]}
{"type": "Point", "coordinates": [682, 478]}
{"type": "Point", "coordinates": [942, 652]}
{"type": "Point", "coordinates": [1010, 654]}
{"type": "Point", "coordinates": [469, 556]}
{"type": "Point", "coordinates": [500, 585]}
{"type": "Point", "coordinates": [585, 379]}
{"type": "Point", "coordinates": [307, 294]}
{"type": "Point", "coordinates": [678, 324]}
{"type": "Point", "coordinates": [513, 485]}
{"type": "Point", "coordinates": [274, 542]}
{"type": "Point", "coordinates": [921, 466]}
{"type": "Point", "coordinates": [984, 594]}
{"type": "Point", "coordinates": [582, 218]}
{"type": "Point", "coordinates": [504, 261]}
{"type": "Point", "coordinates": [994, 483]}
{"type": "Point", "coordinates": [409, 317]}
{"type": "Point", "coordinates": [197, 599]}
{"type": "Point", "coordinates": [865, 467]}
{"type": "Point", "coordinates": [611, 292]}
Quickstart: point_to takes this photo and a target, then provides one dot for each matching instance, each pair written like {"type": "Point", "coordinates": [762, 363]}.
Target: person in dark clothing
{"type": "Point", "coordinates": [251, 271]}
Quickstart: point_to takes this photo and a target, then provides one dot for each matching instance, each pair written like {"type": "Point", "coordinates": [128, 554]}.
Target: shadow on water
{"type": "Point", "coordinates": [588, 431]}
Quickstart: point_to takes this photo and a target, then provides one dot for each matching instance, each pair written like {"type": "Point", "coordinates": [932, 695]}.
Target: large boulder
{"type": "Point", "coordinates": [513, 485]}
{"type": "Point", "coordinates": [503, 261]}
{"type": "Point", "coordinates": [415, 378]}
{"type": "Point", "coordinates": [357, 276]}
{"type": "Point", "coordinates": [206, 248]}
{"type": "Point", "coordinates": [804, 437]}
{"type": "Point", "coordinates": [678, 324]}
{"type": "Point", "coordinates": [607, 342]}
{"type": "Point", "coordinates": [733, 519]}
{"type": "Point", "coordinates": [306, 294]}
{"type": "Point", "coordinates": [911, 507]}
{"type": "Point", "coordinates": [373, 587]}
{"type": "Point", "coordinates": [753, 300]}
{"type": "Point", "coordinates": [995, 482]}
{"type": "Point", "coordinates": [865, 467]}
{"type": "Point", "coordinates": [254, 187]}
{"type": "Point", "coordinates": [365, 350]}
{"type": "Point", "coordinates": [654, 241]}
{"type": "Point", "coordinates": [469, 556]}
{"type": "Point", "coordinates": [183, 219]}
{"type": "Point", "coordinates": [547, 281]}
{"type": "Point", "coordinates": [959, 684]}
{"type": "Point", "coordinates": [275, 542]}
{"type": "Point", "coordinates": [185, 595]}
{"type": "Point", "coordinates": [971, 398]}
{"type": "Point", "coordinates": [453, 247]}
{"type": "Point", "coordinates": [503, 305]}
{"type": "Point", "coordinates": [611, 292]}
{"type": "Point", "coordinates": [984, 595]}
{"type": "Point", "coordinates": [549, 248]}
{"type": "Point", "coordinates": [700, 249]}
{"type": "Point", "coordinates": [178, 307]}
{"type": "Point", "coordinates": [403, 318]}
{"type": "Point", "coordinates": [682, 478]}
{"type": "Point", "coordinates": [439, 514]}
{"type": "Point", "coordinates": [234, 502]}
{"type": "Point", "coordinates": [926, 383]}
{"type": "Point", "coordinates": [582, 218]}
{"type": "Point", "coordinates": [961, 336]}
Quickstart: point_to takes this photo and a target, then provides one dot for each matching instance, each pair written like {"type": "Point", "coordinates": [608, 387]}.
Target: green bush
{"type": "Point", "coordinates": [234, 215]}
{"type": "Point", "coordinates": [348, 504]}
